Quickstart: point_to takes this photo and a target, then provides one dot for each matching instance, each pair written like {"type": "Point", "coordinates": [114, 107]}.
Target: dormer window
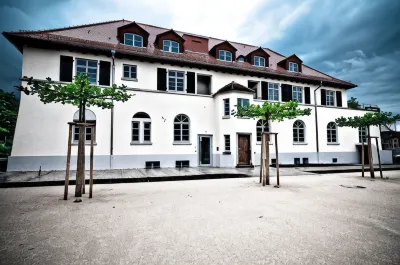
{"type": "Point", "coordinates": [259, 61]}
{"type": "Point", "coordinates": [170, 46]}
{"type": "Point", "coordinates": [293, 67]}
{"type": "Point", "coordinates": [133, 40]}
{"type": "Point", "coordinates": [225, 56]}
{"type": "Point", "coordinates": [241, 60]}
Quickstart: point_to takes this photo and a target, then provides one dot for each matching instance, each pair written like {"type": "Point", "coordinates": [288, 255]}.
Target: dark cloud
{"type": "Point", "coordinates": [357, 41]}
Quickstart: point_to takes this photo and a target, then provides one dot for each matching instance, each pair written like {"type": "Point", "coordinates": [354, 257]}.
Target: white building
{"type": "Point", "coordinates": [185, 87]}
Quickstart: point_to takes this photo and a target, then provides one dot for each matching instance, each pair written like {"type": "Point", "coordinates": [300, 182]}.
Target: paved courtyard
{"type": "Point", "coordinates": [311, 219]}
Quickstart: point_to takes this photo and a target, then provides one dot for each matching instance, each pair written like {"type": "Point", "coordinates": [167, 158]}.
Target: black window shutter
{"type": "Point", "coordinates": [161, 79]}
{"type": "Point", "coordinates": [105, 70]}
{"type": "Point", "coordinates": [286, 92]}
{"type": "Point", "coordinates": [339, 98]}
{"type": "Point", "coordinates": [307, 95]}
{"type": "Point", "coordinates": [66, 65]}
{"type": "Point", "coordinates": [323, 97]}
{"type": "Point", "coordinates": [264, 90]}
{"type": "Point", "coordinates": [249, 85]}
{"type": "Point", "coordinates": [190, 82]}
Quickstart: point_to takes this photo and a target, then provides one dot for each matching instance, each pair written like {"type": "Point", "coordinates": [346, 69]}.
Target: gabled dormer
{"type": "Point", "coordinates": [291, 63]}
{"type": "Point", "coordinates": [241, 59]}
{"type": "Point", "coordinates": [224, 51]}
{"type": "Point", "coordinates": [133, 35]}
{"type": "Point", "coordinates": [258, 57]}
{"type": "Point", "coordinates": [170, 41]}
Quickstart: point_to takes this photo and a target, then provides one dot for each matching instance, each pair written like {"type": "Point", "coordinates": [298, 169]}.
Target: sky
{"type": "Point", "coordinates": [354, 40]}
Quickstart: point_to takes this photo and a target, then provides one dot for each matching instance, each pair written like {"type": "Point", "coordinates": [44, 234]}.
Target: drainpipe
{"type": "Point", "coordinates": [316, 119]}
{"type": "Point", "coordinates": [112, 110]}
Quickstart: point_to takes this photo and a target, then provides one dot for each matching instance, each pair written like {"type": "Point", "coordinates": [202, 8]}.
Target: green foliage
{"type": "Point", "coordinates": [369, 119]}
{"type": "Point", "coordinates": [353, 103]}
{"type": "Point", "coordinates": [272, 111]}
{"type": "Point", "coordinates": [8, 118]}
{"type": "Point", "coordinates": [80, 92]}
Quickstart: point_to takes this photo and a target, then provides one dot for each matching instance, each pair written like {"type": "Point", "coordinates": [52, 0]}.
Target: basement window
{"type": "Point", "coordinates": [297, 161]}
{"type": "Point", "coordinates": [203, 84]}
{"type": "Point", "coordinates": [182, 163]}
{"type": "Point", "coordinates": [305, 161]}
{"type": "Point", "coordinates": [152, 164]}
{"type": "Point", "coordinates": [334, 160]}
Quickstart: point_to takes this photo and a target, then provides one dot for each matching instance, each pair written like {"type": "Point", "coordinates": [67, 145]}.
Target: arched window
{"type": "Point", "coordinates": [298, 132]}
{"type": "Point", "coordinates": [262, 126]}
{"type": "Point", "coordinates": [90, 117]}
{"type": "Point", "coordinates": [331, 131]}
{"type": "Point", "coordinates": [181, 128]}
{"type": "Point", "coordinates": [141, 128]}
{"type": "Point", "coordinates": [362, 134]}
{"type": "Point", "coordinates": [170, 46]}
{"type": "Point", "coordinates": [133, 40]}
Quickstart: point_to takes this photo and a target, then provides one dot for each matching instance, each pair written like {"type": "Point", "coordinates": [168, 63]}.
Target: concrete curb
{"type": "Point", "coordinates": [366, 170]}
{"type": "Point", "coordinates": [22, 184]}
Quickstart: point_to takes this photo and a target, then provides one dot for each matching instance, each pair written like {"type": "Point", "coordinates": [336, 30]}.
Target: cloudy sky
{"type": "Point", "coordinates": [354, 40]}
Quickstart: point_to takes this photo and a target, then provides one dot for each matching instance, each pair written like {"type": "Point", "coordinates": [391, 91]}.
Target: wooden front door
{"type": "Point", "coordinates": [244, 149]}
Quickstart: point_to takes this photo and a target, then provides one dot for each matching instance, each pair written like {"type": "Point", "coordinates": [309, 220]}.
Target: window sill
{"type": "Point", "coordinates": [226, 117]}
{"type": "Point", "coordinates": [259, 143]}
{"type": "Point", "coordinates": [300, 143]}
{"type": "Point", "coordinates": [333, 143]}
{"type": "Point", "coordinates": [181, 143]}
{"type": "Point", "coordinates": [137, 143]}
{"type": "Point", "coordinates": [88, 144]}
{"type": "Point", "coordinates": [244, 118]}
{"type": "Point", "coordinates": [226, 153]}
{"type": "Point", "coordinates": [129, 79]}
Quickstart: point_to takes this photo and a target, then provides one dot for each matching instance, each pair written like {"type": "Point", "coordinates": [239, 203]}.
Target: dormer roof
{"type": "Point", "coordinates": [292, 58]}
{"type": "Point", "coordinates": [258, 52]}
{"type": "Point", "coordinates": [169, 33]}
{"type": "Point", "coordinates": [232, 87]}
{"type": "Point", "coordinates": [133, 28]}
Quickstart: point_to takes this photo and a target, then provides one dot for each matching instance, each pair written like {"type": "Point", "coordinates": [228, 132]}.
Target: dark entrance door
{"type": "Point", "coordinates": [205, 150]}
{"type": "Point", "coordinates": [244, 149]}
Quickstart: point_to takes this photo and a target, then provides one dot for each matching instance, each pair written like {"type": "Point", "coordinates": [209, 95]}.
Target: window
{"type": "Point", "coordinates": [331, 132]}
{"type": "Point", "coordinates": [170, 46]}
{"type": "Point", "coordinates": [181, 128]}
{"type": "Point", "coordinates": [242, 102]}
{"type": "Point", "coordinates": [273, 91]}
{"type": "Point", "coordinates": [240, 59]}
{"type": "Point", "coordinates": [259, 61]}
{"type": "Point", "coordinates": [293, 67]}
{"type": "Point", "coordinates": [182, 163]}
{"type": "Point", "coordinates": [262, 126]}
{"type": "Point", "coordinates": [133, 40]}
{"type": "Point", "coordinates": [225, 55]}
{"type": "Point", "coordinates": [152, 164]}
{"type": "Point", "coordinates": [90, 117]}
{"type": "Point", "coordinates": [362, 134]}
{"type": "Point", "coordinates": [297, 94]}
{"type": "Point", "coordinates": [227, 139]}
{"type": "Point", "coordinates": [226, 107]}
{"type": "Point", "coordinates": [87, 67]}
{"type": "Point", "coordinates": [141, 128]}
{"type": "Point", "coordinates": [130, 71]}
{"type": "Point", "coordinates": [175, 81]}
{"type": "Point", "coordinates": [298, 132]}
{"type": "Point", "coordinates": [330, 98]}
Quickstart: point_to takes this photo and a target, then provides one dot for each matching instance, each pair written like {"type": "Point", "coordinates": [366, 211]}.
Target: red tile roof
{"type": "Point", "coordinates": [103, 36]}
{"type": "Point", "coordinates": [233, 86]}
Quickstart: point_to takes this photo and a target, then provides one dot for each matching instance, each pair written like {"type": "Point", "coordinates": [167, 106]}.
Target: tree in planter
{"type": "Point", "coordinates": [353, 103]}
{"type": "Point", "coordinates": [8, 118]}
{"type": "Point", "coordinates": [271, 112]}
{"type": "Point", "coordinates": [80, 93]}
{"type": "Point", "coordinates": [369, 119]}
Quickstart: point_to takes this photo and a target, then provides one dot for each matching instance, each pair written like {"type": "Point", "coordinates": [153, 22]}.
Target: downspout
{"type": "Point", "coordinates": [316, 119]}
{"type": "Point", "coordinates": [112, 110]}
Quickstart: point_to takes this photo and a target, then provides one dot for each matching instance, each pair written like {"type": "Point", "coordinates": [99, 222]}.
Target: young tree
{"type": "Point", "coordinates": [8, 118]}
{"type": "Point", "coordinates": [271, 112]}
{"type": "Point", "coordinates": [80, 93]}
{"type": "Point", "coordinates": [369, 119]}
{"type": "Point", "coordinates": [353, 103]}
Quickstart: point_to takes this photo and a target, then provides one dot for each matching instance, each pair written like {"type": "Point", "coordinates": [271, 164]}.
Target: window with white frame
{"type": "Point", "coordinates": [362, 134]}
{"type": "Point", "coordinates": [170, 46]}
{"type": "Point", "coordinates": [88, 67]}
{"type": "Point", "coordinates": [90, 117]}
{"type": "Point", "coordinates": [330, 98]}
{"type": "Point", "coordinates": [181, 128]}
{"type": "Point", "coordinates": [243, 102]}
{"type": "Point", "coordinates": [176, 81]}
{"type": "Point", "coordinates": [225, 55]}
{"type": "Point", "coordinates": [293, 67]}
{"type": "Point", "coordinates": [133, 40]}
{"type": "Point", "coordinates": [298, 132]}
{"type": "Point", "coordinates": [259, 61]}
{"type": "Point", "coordinates": [273, 91]}
{"type": "Point", "coordinates": [240, 59]}
{"type": "Point", "coordinates": [297, 94]}
{"type": "Point", "coordinates": [226, 107]}
{"type": "Point", "coordinates": [261, 127]}
{"type": "Point", "coordinates": [141, 128]}
{"type": "Point", "coordinates": [130, 71]}
{"type": "Point", "coordinates": [331, 131]}
{"type": "Point", "coordinates": [227, 139]}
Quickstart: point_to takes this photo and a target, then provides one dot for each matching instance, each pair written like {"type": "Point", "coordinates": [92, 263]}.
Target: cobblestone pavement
{"type": "Point", "coordinates": [312, 219]}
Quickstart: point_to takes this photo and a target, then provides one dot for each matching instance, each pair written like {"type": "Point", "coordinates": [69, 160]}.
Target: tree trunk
{"type": "Point", "coordinates": [371, 163]}
{"type": "Point", "coordinates": [80, 165]}
{"type": "Point", "coordinates": [267, 151]}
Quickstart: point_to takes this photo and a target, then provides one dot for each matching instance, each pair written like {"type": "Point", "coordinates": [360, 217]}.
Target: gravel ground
{"type": "Point", "coordinates": [309, 220]}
